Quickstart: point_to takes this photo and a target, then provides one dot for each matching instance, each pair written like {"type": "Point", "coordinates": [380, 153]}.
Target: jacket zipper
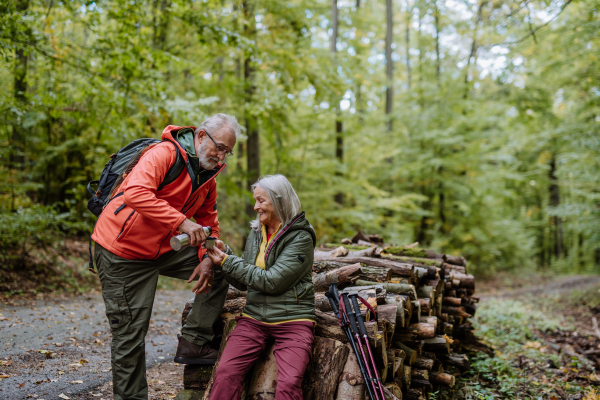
{"type": "Point", "coordinates": [188, 201]}
{"type": "Point", "coordinates": [280, 234]}
{"type": "Point", "coordinates": [124, 223]}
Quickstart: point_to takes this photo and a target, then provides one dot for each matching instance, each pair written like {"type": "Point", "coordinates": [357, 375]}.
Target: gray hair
{"type": "Point", "coordinates": [281, 193]}
{"type": "Point", "coordinates": [220, 121]}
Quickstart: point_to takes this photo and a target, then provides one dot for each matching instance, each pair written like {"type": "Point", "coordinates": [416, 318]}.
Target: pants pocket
{"type": "Point", "coordinates": [117, 309]}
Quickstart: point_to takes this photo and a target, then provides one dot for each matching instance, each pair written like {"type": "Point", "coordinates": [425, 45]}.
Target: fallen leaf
{"type": "Point", "coordinates": [5, 376]}
{"type": "Point", "coordinates": [63, 396]}
{"type": "Point", "coordinates": [76, 382]}
{"type": "Point", "coordinates": [83, 361]}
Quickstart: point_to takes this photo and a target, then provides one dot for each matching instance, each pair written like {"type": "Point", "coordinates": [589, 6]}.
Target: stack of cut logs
{"type": "Point", "coordinates": [422, 302]}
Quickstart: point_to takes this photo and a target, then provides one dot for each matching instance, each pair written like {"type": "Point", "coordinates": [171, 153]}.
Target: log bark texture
{"type": "Point", "coordinates": [351, 383]}
{"type": "Point", "coordinates": [324, 369]}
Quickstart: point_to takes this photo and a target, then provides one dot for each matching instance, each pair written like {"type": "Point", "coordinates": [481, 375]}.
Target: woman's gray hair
{"type": "Point", "coordinates": [281, 193]}
{"type": "Point", "coordinates": [218, 122]}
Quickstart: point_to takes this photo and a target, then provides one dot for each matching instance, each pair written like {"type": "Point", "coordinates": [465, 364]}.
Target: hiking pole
{"type": "Point", "coordinates": [352, 317]}
{"type": "Point", "coordinates": [333, 296]}
{"type": "Point", "coordinates": [363, 330]}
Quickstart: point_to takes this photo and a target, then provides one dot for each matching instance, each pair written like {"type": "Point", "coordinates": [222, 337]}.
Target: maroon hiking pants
{"type": "Point", "coordinates": [293, 349]}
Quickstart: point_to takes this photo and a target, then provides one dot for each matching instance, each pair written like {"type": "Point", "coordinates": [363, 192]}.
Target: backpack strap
{"type": "Point", "coordinates": [175, 170]}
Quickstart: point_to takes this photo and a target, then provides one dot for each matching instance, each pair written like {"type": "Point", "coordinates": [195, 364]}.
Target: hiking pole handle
{"type": "Point", "coordinates": [333, 299]}
{"type": "Point", "coordinates": [350, 313]}
{"type": "Point", "coordinates": [359, 317]}
{"type": "Point", "coordinates": [182, 241]}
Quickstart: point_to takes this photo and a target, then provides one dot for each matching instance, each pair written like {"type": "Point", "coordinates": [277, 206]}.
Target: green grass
{"type": "Point", "coordinates": [509, 327]}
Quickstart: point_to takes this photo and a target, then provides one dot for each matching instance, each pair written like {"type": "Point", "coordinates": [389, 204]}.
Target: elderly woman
{"type": "Point", "coordinates": [276, 268]}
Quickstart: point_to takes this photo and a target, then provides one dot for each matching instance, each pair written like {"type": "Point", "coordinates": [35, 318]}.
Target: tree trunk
{"type": "Point", "coordinates": [17, 142]}
{"type": "Point", "coordinates": [389, 66]}
{"type": "Point", "coordinates": [324, 369]}
{"type": "Point", "coordinates": [351, 383]}
{"type": "Point", "coordinates": [555, 202]}
{"type": "Point", "coordinates": [411, 355]}
{"type": "Point", "coordinates": [253, 143]}
{"type": "Point", "coordinates": [455, 260]}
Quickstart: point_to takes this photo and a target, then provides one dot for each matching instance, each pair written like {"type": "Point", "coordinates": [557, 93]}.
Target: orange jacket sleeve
{"type": "Point", "coordinates": [140, 193]}
{"type": "Point", "coordinates": [206, 215]}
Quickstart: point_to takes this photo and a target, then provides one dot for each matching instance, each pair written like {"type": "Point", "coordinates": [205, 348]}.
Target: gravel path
{"type": "Point", "coordinates": [59, 347]}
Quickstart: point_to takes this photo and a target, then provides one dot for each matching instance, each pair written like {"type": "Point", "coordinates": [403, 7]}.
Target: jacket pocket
{"type": "Point", "coordinates": [126, 227]}
{"type": "Point", "coordinates": [117, 309]}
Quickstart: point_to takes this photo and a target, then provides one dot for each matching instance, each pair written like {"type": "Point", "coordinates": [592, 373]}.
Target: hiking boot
{"type": "Point", "coordinates": [190, 353]}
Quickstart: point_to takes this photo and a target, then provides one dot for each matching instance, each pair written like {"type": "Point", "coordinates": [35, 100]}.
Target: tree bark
{"type": "Point", "coordinates": [441, 378]}
{"type": "Point", "coordinates": [377, 274]}
{"type": "Point", "coordinates": [229, 325]}
{"type": "Point", "coordinates": [340, 276]}
{"type": "Point", "coordinates": [397, 268]}
{"type": "Point", "coordinates": [332, 255]}
{"type": "Point", "coordinates": [389, 66]}
{"type": "Point", "coordinates": [555, 202]}
{"type": "Point", "coordinates": [263, 383]}
{"type": "Point", "coordinates": [322, 374]}
{"type": "Point", "coordinates": [328, 327]}
{"type": "Point", "coordinates": [351, 383]}
{"type": "Point", "coordinates": [455, 260]}
{"type": "Point", "coordinates": [423, 363]}
{"type": "Point", "coordinates": [253, 142]}
{"type": "Point", "coordinates": [438, 344]}
{"type": "Point", "coordinates": [398, 288]}
{"type": "Point", "coordinates": [386, 319]}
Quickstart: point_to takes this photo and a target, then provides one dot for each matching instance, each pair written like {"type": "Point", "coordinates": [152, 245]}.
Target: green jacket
{"type": "Point", "coordinates": [284, 289]}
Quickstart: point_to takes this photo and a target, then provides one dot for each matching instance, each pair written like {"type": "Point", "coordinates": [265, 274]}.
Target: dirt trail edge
{"type": "Point", "coordinates": [560, 285]}
{"type": "Point", "coordinates": [59, 346]}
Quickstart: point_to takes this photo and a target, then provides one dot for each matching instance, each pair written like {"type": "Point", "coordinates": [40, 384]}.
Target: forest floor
{"type": "Point", "coordinates": [54, 339]}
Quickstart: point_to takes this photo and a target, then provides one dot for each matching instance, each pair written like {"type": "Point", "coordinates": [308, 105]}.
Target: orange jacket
{"type": "Point", "coordinates": [139, 223]}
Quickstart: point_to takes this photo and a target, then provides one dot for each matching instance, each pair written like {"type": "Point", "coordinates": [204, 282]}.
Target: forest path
{"type": "Point", "coordinates": [57, 346]}
{"type": "Point", "coordinates": [559, 285]}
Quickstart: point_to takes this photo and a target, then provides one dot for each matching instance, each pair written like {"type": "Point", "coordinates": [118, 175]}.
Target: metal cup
{"type": "Point", "coordinates": [210, 242]}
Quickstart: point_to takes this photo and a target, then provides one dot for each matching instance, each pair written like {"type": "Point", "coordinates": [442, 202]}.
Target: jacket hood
{"type": "Point", "coordinates": [299, 222]}
{"type": "Point", "coordinates": [169, 133]}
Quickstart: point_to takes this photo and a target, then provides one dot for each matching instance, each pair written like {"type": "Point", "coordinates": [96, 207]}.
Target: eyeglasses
{"type": "Point", "coordinates": [219, 147]}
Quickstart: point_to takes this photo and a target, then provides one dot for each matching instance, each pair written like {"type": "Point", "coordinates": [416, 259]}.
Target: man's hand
{"type": "Point", "coordinates": [196, 232]}
{"type": "Point", "coordinates": [205, 273]}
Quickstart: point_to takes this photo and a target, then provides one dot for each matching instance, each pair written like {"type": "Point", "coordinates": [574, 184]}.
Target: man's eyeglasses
{"type": "Point", "coordinates": [219, 147]}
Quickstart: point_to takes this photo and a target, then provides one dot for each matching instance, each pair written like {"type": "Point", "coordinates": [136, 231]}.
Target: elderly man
{"type": "Point", "coordinates": [132, 247]}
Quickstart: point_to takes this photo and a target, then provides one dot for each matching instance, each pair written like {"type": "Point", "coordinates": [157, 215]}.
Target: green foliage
{"type": "Point", "coordinates": [39, 226]}
{"type": "Point", "coordinates": [493, 151]}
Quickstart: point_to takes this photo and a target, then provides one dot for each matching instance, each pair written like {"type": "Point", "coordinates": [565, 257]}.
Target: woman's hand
{"type": "Point", "coordinates": [216, 255]}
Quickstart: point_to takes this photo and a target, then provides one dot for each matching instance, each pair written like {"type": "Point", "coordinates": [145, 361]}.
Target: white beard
{"type": "Point", "coordinates": [207, 163]}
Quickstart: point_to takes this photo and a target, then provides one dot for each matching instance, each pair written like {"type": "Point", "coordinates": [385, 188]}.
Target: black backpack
{"type": "Point", "coordinates": [116, 170]}
{"type": "Point", "coordinates": [120, 165]}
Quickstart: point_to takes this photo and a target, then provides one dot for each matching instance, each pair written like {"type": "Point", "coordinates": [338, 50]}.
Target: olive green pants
{"type": "Point", "coordinates": [128, 288]}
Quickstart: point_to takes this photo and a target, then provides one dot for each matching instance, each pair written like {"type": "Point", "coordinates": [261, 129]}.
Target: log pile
{"type": "Point", "coordinates": [423, 301]}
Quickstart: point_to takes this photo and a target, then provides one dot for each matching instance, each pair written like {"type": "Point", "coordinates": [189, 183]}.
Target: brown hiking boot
{"type": "Point", "coordinates": [190, 353]}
